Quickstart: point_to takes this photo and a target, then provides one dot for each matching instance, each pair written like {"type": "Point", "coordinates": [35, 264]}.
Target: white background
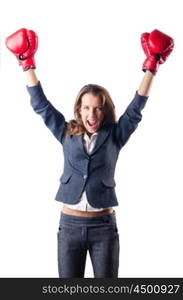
{"type": "Point", "coordinates": [80, 42]}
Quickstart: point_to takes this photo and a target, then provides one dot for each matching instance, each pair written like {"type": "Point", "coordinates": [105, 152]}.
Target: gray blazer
{"type": "Point", "coordinates": [92, 172]}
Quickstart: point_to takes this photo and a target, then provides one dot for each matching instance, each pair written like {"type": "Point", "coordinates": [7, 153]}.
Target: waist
{"type": "Point", "coordinates": [80, 213]}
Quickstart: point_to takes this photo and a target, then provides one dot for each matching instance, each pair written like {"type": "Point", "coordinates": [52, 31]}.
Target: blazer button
{"type": "Point", "coordinates": [85, 176]}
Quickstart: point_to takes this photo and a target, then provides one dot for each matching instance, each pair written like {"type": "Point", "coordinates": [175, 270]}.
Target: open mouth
{"type": "Point", "coordinates": [92, 124]}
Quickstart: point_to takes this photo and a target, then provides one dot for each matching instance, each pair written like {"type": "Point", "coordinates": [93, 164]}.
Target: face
{"type": "Point", "coordinates": [92, 112]}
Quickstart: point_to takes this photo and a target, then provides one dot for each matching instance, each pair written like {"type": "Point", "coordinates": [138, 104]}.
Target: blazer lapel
{"type": "Point", "coordinates": [78, 140]}
{"type": "Point", "coordinates": [101, 137]}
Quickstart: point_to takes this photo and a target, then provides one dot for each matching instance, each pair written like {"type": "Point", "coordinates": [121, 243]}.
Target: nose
{"type": "Point", "coordinates": [91, 112]}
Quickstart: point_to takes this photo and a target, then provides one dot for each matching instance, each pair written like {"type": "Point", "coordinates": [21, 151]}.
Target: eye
{"type": "Point", "coordinates": [85, 107]}
{"type": "Point", "coordinates": [100, 108]}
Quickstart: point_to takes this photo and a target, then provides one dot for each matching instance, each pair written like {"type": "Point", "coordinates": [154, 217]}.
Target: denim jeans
{"type": "Point", "coordinates": [96, 235]}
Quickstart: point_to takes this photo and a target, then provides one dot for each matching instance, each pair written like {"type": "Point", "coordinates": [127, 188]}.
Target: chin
{"type": "Point", "coordinates": [92, 130]}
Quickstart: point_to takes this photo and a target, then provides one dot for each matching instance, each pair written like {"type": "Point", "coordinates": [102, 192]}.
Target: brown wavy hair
{"type": "Point", "coordinates": [75, 126]}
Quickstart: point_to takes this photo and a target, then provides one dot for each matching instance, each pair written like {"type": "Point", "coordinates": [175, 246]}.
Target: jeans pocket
{"type": "Point", "coordinates": [115, 228]}
{"type": "Point", "coordinates": [116, 234]}
{"type": "Point", "coordinates": [59, 231]}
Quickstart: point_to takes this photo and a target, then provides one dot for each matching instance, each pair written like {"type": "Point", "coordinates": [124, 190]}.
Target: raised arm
{"type": "Point", "coordinates": [157, 47]}
{"type": "Point", "coordinates": [23, 44]}
{"type": "Point", "coordinates": [31, 78]}
{"type": "Point", "coordinates": [145, 85]}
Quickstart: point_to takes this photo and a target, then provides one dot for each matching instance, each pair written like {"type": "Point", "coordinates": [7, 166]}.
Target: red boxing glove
{"type": "Point", "coordinates": [23, 44]}
{"type": "Point", "coordinates": [157, 47]}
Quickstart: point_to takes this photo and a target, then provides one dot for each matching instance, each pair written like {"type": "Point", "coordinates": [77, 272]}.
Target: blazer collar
{"type": "Point", "coordinates": [101, 137]}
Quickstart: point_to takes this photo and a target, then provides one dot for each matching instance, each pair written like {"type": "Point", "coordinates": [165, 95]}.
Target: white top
{"type": "Point", "coordinates": [89, 143]}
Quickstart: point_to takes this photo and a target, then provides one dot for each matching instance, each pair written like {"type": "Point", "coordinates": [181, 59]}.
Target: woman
{"type": "Point", "coordinates": [91, 144]}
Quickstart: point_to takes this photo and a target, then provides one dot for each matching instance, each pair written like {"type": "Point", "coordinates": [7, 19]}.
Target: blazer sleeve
{"type": "Point", "coordinates": [128, 122]}
{"type": "Point", "coordinates": [53, 119]}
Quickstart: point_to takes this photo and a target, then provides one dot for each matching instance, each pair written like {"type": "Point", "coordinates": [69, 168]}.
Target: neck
{"type": "Point", "coordinates": [89, 134]}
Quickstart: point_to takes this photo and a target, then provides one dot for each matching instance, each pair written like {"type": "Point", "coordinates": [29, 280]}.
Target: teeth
{"type": "Point", "coordinates": [92, 122]}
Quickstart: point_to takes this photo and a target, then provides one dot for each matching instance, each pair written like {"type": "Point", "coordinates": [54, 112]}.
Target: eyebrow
{"type": "Point", "coordinates": [94, 106]}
